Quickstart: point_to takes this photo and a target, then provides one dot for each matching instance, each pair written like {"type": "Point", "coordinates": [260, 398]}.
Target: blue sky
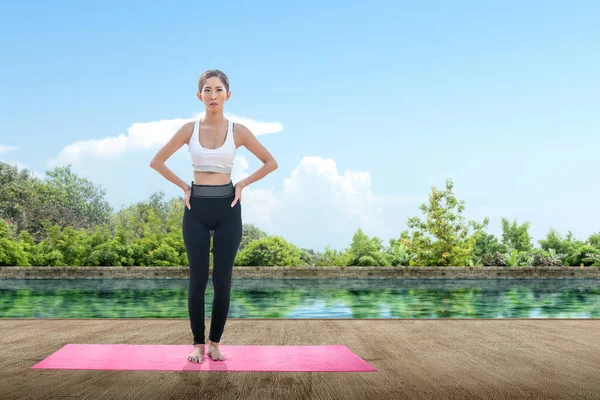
{"type": "Point", "coordinates": [365, 107]}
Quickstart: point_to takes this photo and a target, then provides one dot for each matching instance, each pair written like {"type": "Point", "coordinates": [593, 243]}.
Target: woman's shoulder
{"type": "Point", "coordinates": [241, 130]}
{"type": "Point", "coordinates": [185, 131]}
{"type": "Point", "coordinates": [240, 133]}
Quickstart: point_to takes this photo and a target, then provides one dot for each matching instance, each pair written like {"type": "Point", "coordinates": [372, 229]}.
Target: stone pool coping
{"type": "Point", "coordinates": [17, 272]}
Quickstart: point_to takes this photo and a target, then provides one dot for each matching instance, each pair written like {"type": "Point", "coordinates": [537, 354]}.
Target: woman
{"type": "Point", "coordinates": [212, 203]}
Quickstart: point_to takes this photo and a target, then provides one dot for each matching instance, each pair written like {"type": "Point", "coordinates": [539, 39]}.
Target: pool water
{"type": "Point", "coordinates": [306, 298]}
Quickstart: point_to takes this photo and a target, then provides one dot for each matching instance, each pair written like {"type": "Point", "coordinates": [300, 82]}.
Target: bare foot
{"type": "Point", "coordinates": [197, 356]}
{"type": "Point", "coordinates": [214, 353]}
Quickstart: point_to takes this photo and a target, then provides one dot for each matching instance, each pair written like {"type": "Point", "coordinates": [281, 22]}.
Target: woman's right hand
{"type": "Point", "coordinates": [186, 197]}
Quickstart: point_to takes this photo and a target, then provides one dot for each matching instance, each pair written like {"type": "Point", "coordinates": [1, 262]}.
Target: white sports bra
{"type": "Point", "coordinates": [212, 160]}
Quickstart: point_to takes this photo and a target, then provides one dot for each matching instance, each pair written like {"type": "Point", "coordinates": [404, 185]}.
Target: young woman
{"type": "Point", "coordinates": [212, 203]}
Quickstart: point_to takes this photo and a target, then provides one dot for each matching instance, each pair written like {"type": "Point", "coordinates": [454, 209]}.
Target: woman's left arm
{"type": "Point", "coordinates": [250, 141]}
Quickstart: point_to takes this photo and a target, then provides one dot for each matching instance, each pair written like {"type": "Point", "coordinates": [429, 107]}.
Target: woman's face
{"type": "Point", "coordinates": [214, 94]}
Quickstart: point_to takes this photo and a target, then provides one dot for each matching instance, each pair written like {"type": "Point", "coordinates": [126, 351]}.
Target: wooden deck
{"type": "Point", "coordinates": [415, 359]}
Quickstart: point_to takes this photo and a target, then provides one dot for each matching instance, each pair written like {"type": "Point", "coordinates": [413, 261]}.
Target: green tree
{"type": "Point", "coordinates": [73, 201]}
{"type": "Point", "coordinates": [16, 194]}
{"type": "Point", "coordinates": [516, 236]}
{"type": "Point", "coordinates": [307, 256]}
{"type": "Point", "coordinates": [399, 251]}
{"type": "Point", "coordinates": [329, 258]}
{"type": "Point", "coordinates": [594, 240]}
{"type": "Point", "coordinates": [269, 251]}
{"type": "Point", "coordinates": [487, 243]}
{"type": "Point", "coordinates": [12, 252]}
{"type": "Point", "coordinates": [584, 254]}
{"type": "Point", "coordinates": [365, 251]}
{"type": "Point", "coordinates": [443, 222]}
{"type": "Point", "coordinates": [70, 242]}
{"type": "Point", "coordinates": [250, 233]}
{"type": "Point", "coordinates": [565, 246]}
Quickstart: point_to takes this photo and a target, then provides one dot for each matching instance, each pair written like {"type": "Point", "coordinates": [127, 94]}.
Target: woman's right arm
{"type": "Point", "coordinates": [181, 137]}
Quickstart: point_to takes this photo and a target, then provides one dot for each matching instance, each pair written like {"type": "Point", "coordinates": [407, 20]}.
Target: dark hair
{"type": "Point", "coordinates": [211, 73]}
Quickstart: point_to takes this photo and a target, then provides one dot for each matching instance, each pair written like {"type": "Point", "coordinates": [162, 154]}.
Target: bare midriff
{"type": "Point", "coordinates": [211, 178]}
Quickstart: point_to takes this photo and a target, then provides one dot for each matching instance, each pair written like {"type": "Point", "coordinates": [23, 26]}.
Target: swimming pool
{"type": "Point", "coordinates": [306, 298]}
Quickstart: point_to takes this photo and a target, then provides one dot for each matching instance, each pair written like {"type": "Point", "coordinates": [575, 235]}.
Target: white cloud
{"type": "Point", "coordinates": [258, 128]}
{"type": "Point", "coordinates": [6, 149]}
{"type": "Point", "coordinates": [319, 206]}
{"type": "Point", "coordinates": [142, 136]}
{"type": "Point", "coordinates": [240, 166]}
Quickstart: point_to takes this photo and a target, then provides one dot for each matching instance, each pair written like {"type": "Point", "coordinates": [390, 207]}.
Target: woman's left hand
{"type": "Point", "coordinates": [238, 193]}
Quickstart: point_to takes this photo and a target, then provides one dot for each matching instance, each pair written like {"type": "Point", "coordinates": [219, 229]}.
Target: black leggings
{"type": "Point", "coordinates": [211, 211]}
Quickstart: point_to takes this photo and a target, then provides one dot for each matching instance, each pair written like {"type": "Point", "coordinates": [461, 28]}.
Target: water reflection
{"type": "Point", "coordinates": [306, 298]}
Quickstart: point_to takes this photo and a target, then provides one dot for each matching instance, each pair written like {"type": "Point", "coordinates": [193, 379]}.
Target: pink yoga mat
{"type": "Point", "coordinates": [330, 358]}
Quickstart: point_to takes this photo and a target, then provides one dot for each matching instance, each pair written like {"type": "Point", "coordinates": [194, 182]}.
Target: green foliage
{"type": "Point", "coordinates": [443, 222]}
{"type": "Point", "coordinates": [16, 193]}
{"type": "Point", "coordinates": [105, 254]}
{"type": "Point", "coordinates": [486, 243]}
{"type": "Point", "coordinates": [594, 258]}
{"type": "Point", "coordinates": [307, 257]}
{"type": "Point", "coordinates": [74, 201]}
{"type": "Point", "coordinates": [164, 255]}
{"type": "Point", "coordinates": [496, 259]}
{"type": "Point", "coordinates": [594, 240]}
{"type": "Point", "coordinates": [586, 255]}
{"type": "Point", "coordinates": [269, 251]}
{"type": "Point", "coordinates": [550, 258]}
{"type": "Point", "coordinates": [11, 252]}
{"type": "Point", "coordinates": [63, 199]}
{"type": "Point", "coordinates": [516, 236]}
{"type": "Point", "coordinates": [329, 257]}
{"type": "Point", "coordinates": [515, 258]}
{"type": "Point", "coordinates": [250, 233]}
{"type": "Point", "coordinates": [65, 221]}
{"type": "Point", "coordinates": [567, 246]}
{"type": "Point", "coordinates": [399, 252]}
{"type": "Point", "coordinates": [365, 251]}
